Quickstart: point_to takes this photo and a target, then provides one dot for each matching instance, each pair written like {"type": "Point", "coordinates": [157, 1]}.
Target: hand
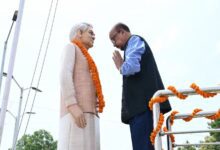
{"type": "Point", "coordinates": [78, 115]}
{"type": "Point", "coordinates": [117, 59]}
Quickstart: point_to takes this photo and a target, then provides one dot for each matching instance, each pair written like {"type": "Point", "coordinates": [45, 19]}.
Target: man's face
{"type": "Point", "coordinates": [88, 38]}
{"type": "Point", "coordinates": [116, 38]}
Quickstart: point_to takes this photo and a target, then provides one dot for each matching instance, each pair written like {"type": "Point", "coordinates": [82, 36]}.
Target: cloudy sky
{"type": "Point", "coordinates": [184, 37]}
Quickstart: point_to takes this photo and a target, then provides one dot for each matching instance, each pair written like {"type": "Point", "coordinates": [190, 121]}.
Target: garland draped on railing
{"type": "Point", "coordinates": [161, 99]}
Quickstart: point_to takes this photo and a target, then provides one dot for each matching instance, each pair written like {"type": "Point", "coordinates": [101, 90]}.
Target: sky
{"type": "Point", "coordinates": [184, 36]}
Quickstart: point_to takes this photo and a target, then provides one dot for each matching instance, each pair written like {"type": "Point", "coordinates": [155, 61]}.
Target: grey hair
{"type": "Point", "coordinates": [78, 27]}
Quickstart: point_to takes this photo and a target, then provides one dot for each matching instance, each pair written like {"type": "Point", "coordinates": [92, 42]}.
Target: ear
{"type": "Point", "coordinates": [79, 34]}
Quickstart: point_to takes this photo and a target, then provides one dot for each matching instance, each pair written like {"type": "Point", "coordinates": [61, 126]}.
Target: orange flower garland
{"type": "Point", "coordinates": [158, 99]}
{"type": "Point", "coordinates": [178, 94]}
{"type": "Point", "coordinates": [200, 92]}
{"type": "Point", "coordinates": [170, 135]}
{"type": "Point", "coordinates": [172, 115]}
{"type": "Point", "coordinates": [215, 116]}
{"type": "Point", "coordinates": [94, 73]}
{"type": "Point", "coordinates": [195, 111]}
{"type": "Point", "coordinates": [155, 131]}
{"type": "Point", "coordinates": [161, 99]}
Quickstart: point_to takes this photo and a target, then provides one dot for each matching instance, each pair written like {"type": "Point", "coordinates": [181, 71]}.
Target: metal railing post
{"type": "Point", "coordinates": [156, 113]}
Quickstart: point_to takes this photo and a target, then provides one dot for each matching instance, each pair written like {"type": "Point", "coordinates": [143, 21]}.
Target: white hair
{"type": "Point", "coordinates": [78, 27]}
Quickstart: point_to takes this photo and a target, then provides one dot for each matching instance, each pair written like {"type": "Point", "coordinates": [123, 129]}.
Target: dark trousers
{"type": "Point", "coordinates": [141, 127]}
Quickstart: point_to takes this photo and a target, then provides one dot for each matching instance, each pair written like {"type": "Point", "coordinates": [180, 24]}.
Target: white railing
{"type": "Point", "coordinates": [156, 113]}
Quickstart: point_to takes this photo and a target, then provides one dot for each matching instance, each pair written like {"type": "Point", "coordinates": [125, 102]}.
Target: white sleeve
{"type": "Point", "coordinates": [66, 75]}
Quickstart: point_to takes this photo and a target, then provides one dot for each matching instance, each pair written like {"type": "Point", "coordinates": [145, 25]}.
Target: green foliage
{"type": "Point", "coordinates": [215, 124]}
{"type": "Point", "coordinates": [187, 147]}
{"type": "Point", "coordinates": [214, 137]}
{"type": "Point", "coordinates": [209, 139]}
{"type": "Point", "coordinates": [40, 140]}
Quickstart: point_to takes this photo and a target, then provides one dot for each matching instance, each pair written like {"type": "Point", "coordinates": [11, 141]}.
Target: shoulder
{"type": "Point", "coordinates": [68, 50]}
{"type": "Point", "coordinates": [135, 39]}
{"type": "Point", "coordinates": [70, 46]}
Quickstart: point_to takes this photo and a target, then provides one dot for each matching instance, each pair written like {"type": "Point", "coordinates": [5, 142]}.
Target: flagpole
{"type": "Point", "coordinates": [10, 69]}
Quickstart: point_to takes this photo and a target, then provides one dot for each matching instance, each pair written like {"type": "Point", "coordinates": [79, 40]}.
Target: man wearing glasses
{"type": "Point", "coordinates": [141, 79]}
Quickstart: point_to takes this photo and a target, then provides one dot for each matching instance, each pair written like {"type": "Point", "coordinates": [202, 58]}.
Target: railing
{"type": "Point", "coordinates": [156, 114]}
{"type": "Point", "coordinates": [170, 145]}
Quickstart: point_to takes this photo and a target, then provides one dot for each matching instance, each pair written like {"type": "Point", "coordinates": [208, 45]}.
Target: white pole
{"type": "Point", "coordinates": [10, 69]}
{"type": "Point", "coordinates": [5, 47]}
{"type": "Point", "coordinates": [17, 121]}
{"type": "Point", "coordinates": [3, 58]}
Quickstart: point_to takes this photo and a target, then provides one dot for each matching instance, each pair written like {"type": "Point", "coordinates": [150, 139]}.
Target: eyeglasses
{"type": "Point", "coordinates": [91, 33]}
{"type": "Point", "coordinates": [113, 38]}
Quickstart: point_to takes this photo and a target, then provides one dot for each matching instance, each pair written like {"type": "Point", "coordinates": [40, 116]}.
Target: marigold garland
{"type": "Point", "coordinates": [155, 131]}
{"type": "Point", "coordinates": [195, 111]}
{"type": "Point", "coordinates": [94, 73]}
{"type": "Point", "coordinates": [170, 135]}
{"type": "Point", "coordinates": [172, 116]}
{"type": "Point", "coordinates": [200, 92]}
{"type": "Point", "coordinates": [161, 99]}
{"type": "Point", "coordinates": [215, 116]}
{"type": "Point", "coordinates": [158, 99]}
{"type": "Point", "coordinates": [178, 94]}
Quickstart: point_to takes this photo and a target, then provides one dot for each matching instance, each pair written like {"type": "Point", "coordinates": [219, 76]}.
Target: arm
{"type": "Point", "coordinates": [134, 51]}
{"type": "Point", "coordinates": [67, 85]}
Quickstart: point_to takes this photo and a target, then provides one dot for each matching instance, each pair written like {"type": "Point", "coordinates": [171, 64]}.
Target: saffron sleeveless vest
{"type": "Point", "coordinates": [85, 93]}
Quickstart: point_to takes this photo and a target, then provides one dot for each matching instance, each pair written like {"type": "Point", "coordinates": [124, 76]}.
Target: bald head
{"type": "Point", "coordinates": [119, 35]}
{"type": "Point", "coordinates": [121, 26]}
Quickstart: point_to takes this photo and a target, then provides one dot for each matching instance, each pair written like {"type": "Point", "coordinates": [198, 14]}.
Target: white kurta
{"type": "Point", "coordinates": [72, 137]}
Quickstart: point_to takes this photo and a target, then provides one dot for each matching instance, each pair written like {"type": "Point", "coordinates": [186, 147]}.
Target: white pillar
{"type": "Point", "coordinates": [10, 69]}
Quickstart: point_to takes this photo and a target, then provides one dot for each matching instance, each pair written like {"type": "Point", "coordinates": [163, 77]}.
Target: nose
{"type": "Point", "coordinates": [93, 37]}
{"type": "Point", "coordinates": [115, 44]}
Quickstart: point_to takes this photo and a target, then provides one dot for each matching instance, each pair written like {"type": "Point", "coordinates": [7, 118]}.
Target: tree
{"type": "Point", "coordinates": [40, 140]}
{"type": "Point", "coordinates": [214, 137]}
{"type": "Point", "coordinates": [215, 124]}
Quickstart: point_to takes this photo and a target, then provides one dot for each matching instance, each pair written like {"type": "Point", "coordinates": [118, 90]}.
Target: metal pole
{"type": "Point", "coordinates": [13, 117]}
{"type": "Point", "coordinates": [192, 131]}
{"type": "Point", "coordinates": [17, 122]}
{"type": "Point", "coordinates": [169, 142]}
{"type": "Point", "coordinates": [5, 47]}
{"type": "Point", "coordinates": [10, 69]}
{"type": "Point", "coordinates": [17, 119]}
{"type": "Point", "coordinates": [187, 91]}
{"type": "Point", "coordinates": [16, 131]}
{"type": "Point", "coordinates": [156, 110]}
{"type": "Point", "coordinates": [156, 115]}
{"type": "Point", "coordinates": [3, 57]}
{"type": "Point", "coordinates": [196, 144]}
{"type": "Point", "coordinates": [198, 115]}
